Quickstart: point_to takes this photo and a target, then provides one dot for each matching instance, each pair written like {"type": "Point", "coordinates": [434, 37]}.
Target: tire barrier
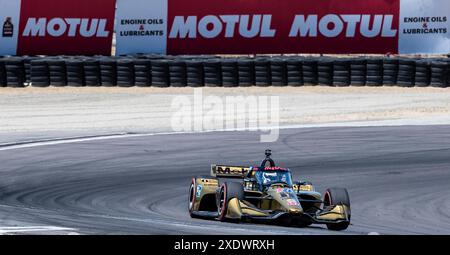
{"type": "Point", "coordinates": [15, 72]}
{"type": "Point", "coordinates": [147, 70]}
{"type": "Point", "coordinates": [390, 71]}
{"type": "Point", "coordinates": [74, 72]}
{"type": "Point", "coordinates": [438, 74]}
{"type": "Point", "coordinates": [142, 72]}
{"type": "Point", "coordinates": [125, 72]}
{"type": "Point", "coordinates": [246, 72]}
{"type": "Point", "coordinates": [447, 72]}
{"type": "Point", "coordinates": [194, 73]}
{"type": "Point", "coordinates": [230, 73]}
{"type": "Point", "coordinates": [358, 72]}
{"type": "Point", "coordinates": [341, 72]}
{"type": "Point", "coordinates": [422, 74]}
{"type": "Point", "coordinates": [40, 73]}
{"type": "Point", "coordinates": [27, 63]}
{"type": "Point", "coordinates": [91, 68]}
{"type": "Point", "coordinates": [310, 71]}
{"type": "Point", "coordinates": [262, 72]}
{"type": "Point", "coordinates": [177, 73]}
{"type": "Point", "coordinates": [160, 73]}
{"type": "Point", "coordinates": [108, 71]}
{"type": "Point", "coordinates": [278, 72]}
{"type": "Point", "coordinates": [325, 71]}
{"type": "Point", "coordinates": [406, 71]}
{"type": "Point", "coordinates": [212, 71]}
{"type": "Point", "coordinates": [2, 73]}
{"type": "Point", "coordinates": [294, 71]}
{"type": "Point", "coordinates": [57, 72]}
{"type": "Point", "coordinates": [374, 71]}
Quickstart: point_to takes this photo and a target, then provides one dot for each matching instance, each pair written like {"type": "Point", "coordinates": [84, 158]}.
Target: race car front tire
{"type": "Point", "coordinates": [228, 190]}
{"type": "Point", "coordinates": [192, 197]}
{"type": "Point", "coordinates": [337, 196]}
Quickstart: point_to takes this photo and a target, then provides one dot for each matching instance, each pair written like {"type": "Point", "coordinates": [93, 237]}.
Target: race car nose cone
{"type": "Point", "coordinates": [295, 211]}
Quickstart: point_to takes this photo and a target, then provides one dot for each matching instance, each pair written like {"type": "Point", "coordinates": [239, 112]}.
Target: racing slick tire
{"type": "Point", "coordinates": [192, 197]}
{"type": "Point", "coordinates": [336, 196]}
{"type": "Point", "coordinates": [228, 190]}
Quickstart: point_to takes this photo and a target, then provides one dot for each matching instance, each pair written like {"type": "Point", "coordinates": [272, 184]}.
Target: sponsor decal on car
{"type": "Point", "coordinates": [198, 192]}
{"type": "Point", "coordinates": [292, 202]}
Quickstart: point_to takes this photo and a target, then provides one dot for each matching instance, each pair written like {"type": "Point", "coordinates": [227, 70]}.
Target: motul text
{"type": "Point", "coordinates": [250, 26]}
{"type": "Point", "coordinates": [70, 27]}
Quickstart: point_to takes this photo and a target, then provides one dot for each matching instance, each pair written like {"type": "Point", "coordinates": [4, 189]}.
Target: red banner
{"type": "Point", "coordinates": [52, 27]}
{"type": "Point", "coordinates": [288, 26]}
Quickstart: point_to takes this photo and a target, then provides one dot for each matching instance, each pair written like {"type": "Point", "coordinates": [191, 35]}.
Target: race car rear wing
{"type": "Point", "coordinates": [229, 171]}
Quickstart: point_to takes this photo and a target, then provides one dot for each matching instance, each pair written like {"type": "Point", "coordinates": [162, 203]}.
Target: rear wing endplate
{"type": "Point", "coordinates": [229, 171]}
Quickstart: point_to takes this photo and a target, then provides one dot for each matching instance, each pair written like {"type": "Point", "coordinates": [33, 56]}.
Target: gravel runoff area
{"type": "Point", "coordinates": [45, 113]}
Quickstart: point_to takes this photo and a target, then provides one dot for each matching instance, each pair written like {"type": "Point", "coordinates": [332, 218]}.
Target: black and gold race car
{"type": "Point", "coordinates": [266, 193]}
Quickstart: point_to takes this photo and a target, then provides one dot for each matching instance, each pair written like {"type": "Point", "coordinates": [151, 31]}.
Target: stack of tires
{"type": "Point", "coordinates": [341, 72]}
{"type": "Point", "coordinates": [212, 72]}
{"type": "Point", "coordinates": [294, 69]}
{"type": "Point", "coordinates": [230, 73]}
{"type": "Point", "coordinates": [358, 72]}
{"type": "Point", "coordinates": [374, 71]}
{"type": "Point", "coordinates": [439, 74]}
{"type": "Point", "coordinates": [40, 74]}
{"type": "Point", "coordinates": [74, 72]}
{"type": "Point", "coordinates": [246, 72]}
{"type": "Point", "coordinates": [406, 72]}
{"type": "Point", "coordinates": [309, 69]}
{"type": "Point", "coordinates": [447, 72]}
{"type": "Point", "coordinates": [142, 72]}
{"type": "Point", "coordinates": [422, 73]}
{"type": "Point", "coordinates": [262, 72]}
{"type": "Point", "coordinates": [125, 72]}
{"type": "Point", "coordinates": [194, 73]}
{"type": "Point", "coordinates": [325, 71]}
{"type": "Point", "coordinates": [27, 64]}
{"type": "Point", "coordinates": [2, 73]}
{"type": "Point", "coordinates": [15, 72]}
{"type": "Point", "coordinates": [278, 72]}
{"type": "Point", "coordinates": [390, 71]}
{"type": "Point", "coordinates": [177, 73]}
{"type": "Point", "coordinates": [160, 73]}
{"type": "Point", "coordinates": [91, 68]}
{"type": "Point", "coordinates": [108, 71]}
{"type": "Point", "coordinates": [57, 72]}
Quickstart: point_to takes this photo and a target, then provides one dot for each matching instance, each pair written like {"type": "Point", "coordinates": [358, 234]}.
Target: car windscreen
{"type": "Point", "coordinates": [266, 178]}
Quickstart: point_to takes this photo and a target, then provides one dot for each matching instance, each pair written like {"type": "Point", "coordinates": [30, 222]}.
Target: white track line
{"type": "Point", "coordinates": [68, 140]}
{"type": "Point", "coordinates": [10, 230]}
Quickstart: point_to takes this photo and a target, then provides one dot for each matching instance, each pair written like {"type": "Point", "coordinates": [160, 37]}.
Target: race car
{"type": "Point", "coordinates": [266, 193]}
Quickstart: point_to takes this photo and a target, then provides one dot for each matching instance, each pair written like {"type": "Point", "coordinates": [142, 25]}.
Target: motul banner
{"type": "Point", "coordinates": [287, 26]}
{"type": "Point", "coordinates": [53, 27]}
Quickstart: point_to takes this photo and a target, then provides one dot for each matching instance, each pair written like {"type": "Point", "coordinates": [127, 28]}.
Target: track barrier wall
{"type": "Point", "coordinates": [203, 70]}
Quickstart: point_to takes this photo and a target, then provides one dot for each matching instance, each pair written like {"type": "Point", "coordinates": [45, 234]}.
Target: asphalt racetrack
{"type": "Point", "coordinates": [398, 179]}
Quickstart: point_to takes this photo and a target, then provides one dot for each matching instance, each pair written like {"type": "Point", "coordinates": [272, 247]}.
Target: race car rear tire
{"type": "Point", "coordinates": [337, 196]}
{"type": "Point", "coordinates": [228, 190]}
